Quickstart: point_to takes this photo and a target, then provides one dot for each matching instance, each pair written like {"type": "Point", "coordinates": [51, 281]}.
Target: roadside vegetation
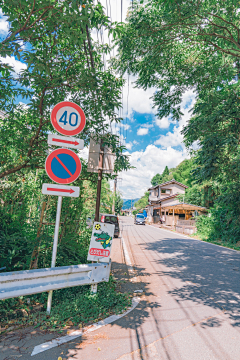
{"type": "Point", "coordinates": [171, 46]}
{"type": "Point", "coordinates": [72, 307]}
{"type": "Point", "coordinates": [60, 60]}
{"type": "Point", "coordinates": [26, 239]}
{"type": "Point", "coordinates": [178, 46]}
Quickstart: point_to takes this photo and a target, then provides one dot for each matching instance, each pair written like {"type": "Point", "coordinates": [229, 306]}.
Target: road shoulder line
{"type": "Point", "coordinates": [61, 340]}
{"type": "Point", "coordinates": [188, 237]}
{"type": "Point", "coordinates": [126, 254]}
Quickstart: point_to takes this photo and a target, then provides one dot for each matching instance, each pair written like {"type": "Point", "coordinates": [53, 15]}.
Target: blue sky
{"type": "Point", "coordinates": [151, 142]}
{"type": "Point", "coordinates": [143, 131]}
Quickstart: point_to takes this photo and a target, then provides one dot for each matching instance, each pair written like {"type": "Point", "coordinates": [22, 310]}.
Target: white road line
{"type": "Point", "coordinates": [56, 342]}
{"type": "Point", "coordinates": [188, 237]}
{"type": "Point", "coordinates": [127, 257]}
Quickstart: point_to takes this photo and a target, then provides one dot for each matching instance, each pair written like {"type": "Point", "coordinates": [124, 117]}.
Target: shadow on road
{"type": "Point", "coordinates": [212, 274]}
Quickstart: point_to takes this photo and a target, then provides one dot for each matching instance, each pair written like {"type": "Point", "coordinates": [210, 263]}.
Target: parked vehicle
{"type": "Point", "coordinates": [139, 219]}
{"type": "Point", "coordinates": [89, 222]}
{"type": "Point", "coordinates": [111, 219]}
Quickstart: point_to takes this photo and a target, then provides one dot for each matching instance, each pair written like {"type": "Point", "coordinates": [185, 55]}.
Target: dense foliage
{"type": "Point", "coordinates": [30, 245]}
{"type": "Point", "coordinates": [60, 60]}
{"type": "Point", "coordinates": [158, 179]}
{"type": "Point", "coordinates": [26, 240]}
{"type": "Point", "coordinates": [72, 306]}
{"type": "Point", "coordinates": [180, 45]}
{"type": "Point", "coordinates": [141, 203]}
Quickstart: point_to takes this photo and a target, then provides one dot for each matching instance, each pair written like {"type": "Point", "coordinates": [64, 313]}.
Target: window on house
{"type": "Point", "coordinates": [166, 191]}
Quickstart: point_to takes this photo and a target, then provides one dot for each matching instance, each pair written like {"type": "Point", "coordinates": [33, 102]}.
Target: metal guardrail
{"type": "Point", "coordinates": [186, 222]}
{"type": "Point", "coordinates": [20, 283]}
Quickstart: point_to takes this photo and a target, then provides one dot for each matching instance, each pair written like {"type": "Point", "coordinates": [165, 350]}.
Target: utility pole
{"type": "Point", "coordinates": [114, 195]}
{"type": "Point", "coordinates": [100, 170]}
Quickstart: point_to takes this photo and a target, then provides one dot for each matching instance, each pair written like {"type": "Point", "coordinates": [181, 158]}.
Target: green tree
{"type": "Point", "coordinates": [176, 46]}
{"type": "Point", "coordinates": [53, 39]}
{"type": "Point", "coordinates": [215, 125]}
{"type": "Point", "coordinates": [183, 172]}
{"type": "Point", "coordinates": [118, 203]}
{"type": "Point", "coordinates": [165, 172]}
{"type": "Point", "coordinates": [157, 179]}
{"type": "Point", "coordinates": [142, 202]}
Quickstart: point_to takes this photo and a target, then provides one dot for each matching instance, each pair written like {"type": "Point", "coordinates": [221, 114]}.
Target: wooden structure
{"type": "Point", "coordinates": [178, 216]}
{"type": "Point", "coordinates": [165, 208]}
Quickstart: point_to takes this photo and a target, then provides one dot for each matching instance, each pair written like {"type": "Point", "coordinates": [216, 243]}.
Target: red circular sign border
{"type": "Point", "coordinates": [54, 177]}
{"type": "Point", "coordinates": [56, 125]}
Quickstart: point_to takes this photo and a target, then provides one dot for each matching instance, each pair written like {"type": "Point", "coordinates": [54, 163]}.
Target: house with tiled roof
{"type": "Point", "coordinates": [163, 203]}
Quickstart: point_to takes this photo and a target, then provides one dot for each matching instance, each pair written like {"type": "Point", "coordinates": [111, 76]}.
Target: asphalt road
{"type": "Point", "coordinates": [190, 307]}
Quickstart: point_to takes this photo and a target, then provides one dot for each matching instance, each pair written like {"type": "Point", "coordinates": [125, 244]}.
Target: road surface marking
{"type": "Point", "coordinates": [63, 339]}
{"type": "Point", "coordinates": [127, 257]}
{"type": "Point", "coordinates": [188, 237]}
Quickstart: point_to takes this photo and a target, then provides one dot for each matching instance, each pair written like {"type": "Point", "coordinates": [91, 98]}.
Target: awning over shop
{"type": "Point", "coordinates": [183, 206]}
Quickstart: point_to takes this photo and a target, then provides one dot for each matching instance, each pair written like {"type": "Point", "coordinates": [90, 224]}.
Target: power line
{"type": "Point", "coordinates": [127, 106]}
{"type": "Point", "coordinates": [121, 9]}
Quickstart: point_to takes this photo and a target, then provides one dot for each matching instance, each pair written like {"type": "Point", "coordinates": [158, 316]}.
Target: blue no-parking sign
{"type": "Point", "coordinates": [63, 166]}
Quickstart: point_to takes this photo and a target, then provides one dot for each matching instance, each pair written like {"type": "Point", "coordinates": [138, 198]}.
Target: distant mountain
{"type": "Point", "coordinates": [127, 203]}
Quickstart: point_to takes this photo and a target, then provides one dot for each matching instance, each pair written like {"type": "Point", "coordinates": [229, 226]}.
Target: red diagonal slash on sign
{"type": "Point", "coordinates": [66, 141]}
{"type": "Point", "coordinates": [61, 190]}
{"type": "Point", "coordinates": [63, 166]}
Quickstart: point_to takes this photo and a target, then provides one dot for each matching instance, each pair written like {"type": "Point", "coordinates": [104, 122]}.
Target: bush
{"type": "Point", "coordinates": [224, 223]}
{"type": "Point", "coordinates": [75, 304]}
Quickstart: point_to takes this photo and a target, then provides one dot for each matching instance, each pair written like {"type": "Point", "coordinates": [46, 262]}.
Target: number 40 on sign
{"type": "Point", "coordinates": [68, 118]}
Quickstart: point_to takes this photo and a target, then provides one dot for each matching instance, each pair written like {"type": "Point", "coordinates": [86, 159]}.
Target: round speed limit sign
{"type": "Point", "coordinates": [68, 118]}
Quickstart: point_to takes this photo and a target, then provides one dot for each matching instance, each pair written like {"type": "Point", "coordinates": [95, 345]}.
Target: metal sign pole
{"type": "Point", "coordinates": [54, 253]}
{"type": "Point", "coordinates": [100, 170]}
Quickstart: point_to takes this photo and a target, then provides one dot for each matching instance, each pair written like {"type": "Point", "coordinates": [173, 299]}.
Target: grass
{"type": "Point", "coordinates": [226, 244]}
{"type": "Point", "coordinates": [200, 236]}
{"type": "Point", "coordinates": [70, 307]}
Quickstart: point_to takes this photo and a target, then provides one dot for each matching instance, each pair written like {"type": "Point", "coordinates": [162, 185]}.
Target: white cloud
{"type": "Point", "coordinates": [135, 142]}
{"type": "Point", "coordinates": [129, 145]}
{"type": "Point", "coordinates": [175, 138]}
{"type": "Point", "coordinates": [124, 126]}
{"type": "Point", "coordinates": [136, 99]}
{"type": "Point", "coordinates": [17, 65]}
{"type": "Point", "coordinates": [4, 24]}
{"type": "Point", "coordinates": [147, 163]}
{"type": "Point", "coordinates": [163, 123]}
{"type": "Point", "coordinates": [142, 131]}
{"type": "Point", "coordinates": [84, 153]}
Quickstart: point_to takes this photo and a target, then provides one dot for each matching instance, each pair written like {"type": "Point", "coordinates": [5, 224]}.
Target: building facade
{"type": "Point", "coordinates": [164, 206]}
{"type": "Point", "coordinates": [161, 198]}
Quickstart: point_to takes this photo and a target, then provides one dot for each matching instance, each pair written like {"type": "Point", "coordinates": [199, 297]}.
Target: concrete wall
{"type": "Point", "coordinates": [169, 220]}
{"type": "Point", "coordinates": [169, 202]}
{"type": "Point", "coordinates": [175, 188]}
{"type": "Point", "coordinates": [186, 229]}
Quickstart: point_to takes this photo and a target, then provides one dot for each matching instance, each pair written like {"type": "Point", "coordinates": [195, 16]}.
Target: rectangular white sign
{"type": "Point", "coordinates": [65, 141]}
{"type": "Point", "coordinates": [60, 190]}
{"type": "Point", "coordinates": [101, 242]}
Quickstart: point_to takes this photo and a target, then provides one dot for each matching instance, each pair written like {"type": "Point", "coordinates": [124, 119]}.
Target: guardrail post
{"type": "Point", "coordinates": [94, 288]}
{"type": "Point", "coordinates": [54, 253]}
